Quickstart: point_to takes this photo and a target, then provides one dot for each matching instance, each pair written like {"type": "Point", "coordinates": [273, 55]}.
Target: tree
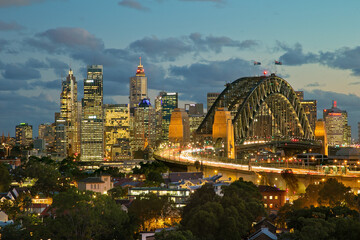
{"type": "Point", "coordinates": [174, 235]}
{"type": "Point", "coordinates": [118, 192]}
{"type": "Point", "coordinates": [5, 178]}
{"type": "Point", "coordinates": [197, 165]}
{"type": "Point", "coordinates": [208, 216]}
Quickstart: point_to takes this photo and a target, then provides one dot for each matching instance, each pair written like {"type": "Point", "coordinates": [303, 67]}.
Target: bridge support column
{"type": "Point", "coordinates": [224, 129]}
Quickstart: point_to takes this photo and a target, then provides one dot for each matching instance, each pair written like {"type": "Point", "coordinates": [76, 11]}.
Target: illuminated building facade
{"type": "Point", "coordinates": [24, 134]}
{"type": "Point", "coordinates": [195, 121]}
{"type": "Point", "coordinates": [310, 107]}
{"type": "Point", "coordinates": [179, 128]}
{"type": "Point", "coordinates": [169, 101]}
{"type": "Point", "coordinates": [138, 87]}
{"type": "Point", "coordinates": [92, 125]}
{"type": "Point", "coordinates": [117, 131]}
{"type": "Point", "coordinates": [68, 121]}
{"type": "Point", "coordinates": [211, 98]}
{"type": "Point", "coordinates": [337, 129]}
{"type": "Point", "coordinates": [144, 134]}
{"type": "Point", "coordinates": [194, 108]}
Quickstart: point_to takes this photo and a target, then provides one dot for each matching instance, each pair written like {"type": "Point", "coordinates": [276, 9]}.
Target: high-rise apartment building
{"type": "Point", "coordinates": [144, 134]}
{"type": "Point", "coordinates": [211, 98]}
{"type": "Point", "coordinates": [24, 134]}
{"type": "Point", "coordinates": [117, 131]}
{"type": "Point", "coordinates": [138, 87]}
{"type": "Point", "coordinates": [168, 101]}
{"type": "Point", "coordinates": [92, 125]}
{"type": "Point", "coordinates": [194, 108]}
{"type": "Point", "coordinates": [336, 124]}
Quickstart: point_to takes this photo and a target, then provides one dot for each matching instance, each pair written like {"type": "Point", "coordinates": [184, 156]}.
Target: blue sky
{"type": "Point", "coordinates": [189, 46]}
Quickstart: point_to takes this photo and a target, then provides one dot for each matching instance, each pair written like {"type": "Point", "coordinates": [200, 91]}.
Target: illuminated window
{"type": "Point", "coordinates": [276, 197]}
{"type": "Point", "coordinates": [270, 197]}
{"type": "Point", "coordinates": [265, 197]}
{"type": "Point", "coordinates": [265, 205]}
{"type": "Point", "coordinates": [271, 206]}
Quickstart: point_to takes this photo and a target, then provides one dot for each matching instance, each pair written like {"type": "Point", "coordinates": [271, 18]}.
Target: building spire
{"type": "Point", "coordinates": [140, 70]}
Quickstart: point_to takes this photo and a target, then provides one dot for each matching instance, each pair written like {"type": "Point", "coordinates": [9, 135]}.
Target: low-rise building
{"type": "Point", "coordinates": [273, 197]}
{"type": "Point", "coordinates": [100, 184]}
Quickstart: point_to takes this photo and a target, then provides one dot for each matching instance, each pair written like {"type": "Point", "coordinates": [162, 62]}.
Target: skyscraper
{"type": "Point", "coordinates": [310, 107]}
{"type": "Point", "coordinates": [117, 131]}
{"type": "Point", "coordinates": [337, 129]}
{"type": "Point", "coordinates": [23, 134]}
{"type": "Point", "coordinates": [92, 125]}
{"type": "Point", "coordinates": [138, 87]}
{"type": "Point", "coordinates": [68, 122]}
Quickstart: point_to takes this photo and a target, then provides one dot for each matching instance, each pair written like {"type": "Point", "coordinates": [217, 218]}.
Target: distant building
{"type": "Point", "coordinates": [138, 87]}
{"type": "Point", "coordinates": [47, 133]}
{"type": "Point", "coordinates": [100, 184]}
{"type": "Point", "coordinates": [169, 101]}
{"type": "Point", "coordinates": [194, 108]}
{"type": "Point", "coordinates": [310, 108]}
{"type": "Point", "coordinates": [211, 98]}
{"type": "Point", "coordinates": [143, 135]}
{"type": "Point", "coordinates": [195, 121]}
{"type": "Point", "coordinates": [179, 128]}
{"type": "Point", "coordinates": [337, 129]}
{"type": "Point", "coordinates": [92, 125]}
{"type": "Point", "coordinates": [24, 133]}
{"type": "Point", "coordinates": [117, 131]}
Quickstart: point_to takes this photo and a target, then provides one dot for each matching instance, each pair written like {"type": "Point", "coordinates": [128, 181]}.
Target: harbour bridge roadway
{"type": "Point", "coordinates": [256, 174]}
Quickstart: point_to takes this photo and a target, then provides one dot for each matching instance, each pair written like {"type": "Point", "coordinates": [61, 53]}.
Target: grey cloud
{"type": "Point", "coordinates": [217, 43]}
{"type": "Point", "coordinates": [61, 39]}
{"type": "Point", "coordinates": [18, 71]}
{"type": "Point", "coordinates": [12, 85]}
{"type": "Point", "coordinates": [4, 26]}
{"type": "Point", "coordinates": [9, 3]}
{"type": "Point", "coordinates": [54, 84]}
{"type": "Point", "coordinates": [344, 58]}
{"type": "Point", "coordinates": [35, 63]}
{"type": "Point", "coordinates": [315, 84]}
{"type": "Point", "coordinates": [58, 66]}
{"type": "Point", "coordinates": [161, 49]}
{"type": "Point", "coordinates": [354, 83]}
{"type": "Point", "coordinates": [195, 80]}
{"type": "Point", "coordinates": [133, 4]}
{"type": "Point", "coordinates": [295, 55]}
{"type": "Point", "coordinates": [169, 49]}
{"type": "Point", "coordinates": [3, 44]}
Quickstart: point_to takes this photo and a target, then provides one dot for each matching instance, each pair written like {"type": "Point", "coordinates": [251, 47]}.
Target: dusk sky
{"type": "Point", "coordinates": [189, 46]}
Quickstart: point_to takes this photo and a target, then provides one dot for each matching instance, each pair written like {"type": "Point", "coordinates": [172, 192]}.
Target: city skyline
{"type": "Point", "coordinates": [216, 43]}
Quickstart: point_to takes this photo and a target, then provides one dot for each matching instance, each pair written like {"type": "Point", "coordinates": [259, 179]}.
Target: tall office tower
{"type": "Point", "coordinates": [194, 108]}
{"type": "Point", "coordinates": [47, 133]}
{"type": "Point", "coordinates": [195, 121]}
{"type": "Point", "coordinates": [336, 125]}
{"type": "Point", "coordinates": [92, 125]}
{"type": "Point", "coordinates": [211, 98]}
{"type": "Point", "coordinates": [169, 101]}
{"type": "Point", "coordinates": [23, 134]}
{"type": "Point", "coordinates": [310, 107]}
{"type": "Point", "coordinates": [117, 131]}
{"type": "Point", "coordinates": [144, 122]}
{"type": "Point", "coordinates": [179, 128]}
{"type": "Point", "coordinates": [138, 87]}
{"type": "Point", "coordinates": [68, 123]}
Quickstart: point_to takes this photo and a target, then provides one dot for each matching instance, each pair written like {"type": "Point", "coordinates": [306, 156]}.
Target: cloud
{"type": "Point", "coordinates": [13, 26]}
{"type": "Point", "coordinates": [161, 49]}
{"type": "Point", "coordinates": [133, 4]}
{"type": "Point", "coordinates": [195, 80]}
{"type": "Point", "coordinates": [12, 85]}
{"type": "Point", "coordinates": [295, 56]}
{"type": "Point", "coordinates": [59, 40]}
{"type": "Point", "coordinates": [18, 71]}
{"type": "Point", "coordinates": [315, 84]}
{"type": "Point", "coordinates": [3, 43]}
{"type": "Point", "coordinates": [169, 49]}
{"type": "Point", "coordinates": [9, 3]}
{"type": "Point", "coordinates": [354, 83]}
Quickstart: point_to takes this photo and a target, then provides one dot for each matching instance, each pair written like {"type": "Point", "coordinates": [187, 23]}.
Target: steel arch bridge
{"type": "Point", "coordinates": [261, 107]}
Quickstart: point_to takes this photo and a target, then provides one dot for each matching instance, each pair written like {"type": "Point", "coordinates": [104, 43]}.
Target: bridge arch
{"type": "Point", "coordinates": [257, 102]}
